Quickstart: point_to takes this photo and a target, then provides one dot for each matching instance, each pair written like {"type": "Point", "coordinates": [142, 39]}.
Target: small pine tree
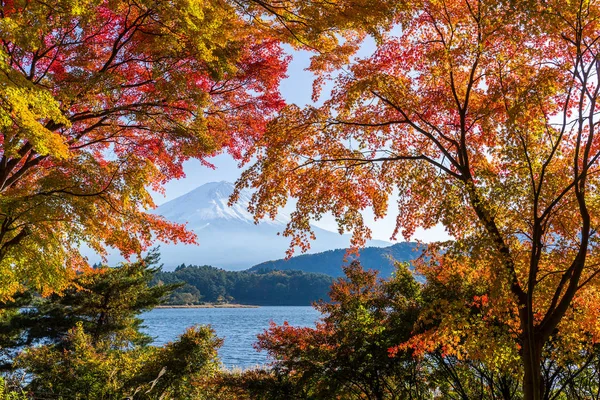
{"type": "Point", "coordinates": [105, 301]}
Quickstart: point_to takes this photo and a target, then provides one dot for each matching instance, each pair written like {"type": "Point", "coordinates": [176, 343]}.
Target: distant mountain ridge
{"type": "Point", "coordinates": [330, 262]}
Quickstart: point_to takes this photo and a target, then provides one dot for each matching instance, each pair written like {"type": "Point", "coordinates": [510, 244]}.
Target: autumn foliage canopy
{"type": "Point", "coordinates": [101, 101]}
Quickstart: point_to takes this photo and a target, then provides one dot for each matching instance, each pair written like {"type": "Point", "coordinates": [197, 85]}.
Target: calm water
{"type": "Point", "coordinates": [238, 326]}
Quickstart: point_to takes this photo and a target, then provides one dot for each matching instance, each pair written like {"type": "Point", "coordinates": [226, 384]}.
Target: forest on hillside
{"type": "Point", "coordinates": [205, 284]}
{"type": "Point", "coordinates": [330, 262]}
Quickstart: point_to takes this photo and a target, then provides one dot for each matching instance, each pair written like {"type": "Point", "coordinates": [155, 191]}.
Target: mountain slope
{"type": "Point", "coordinates": [227, 236]}
{"type": "Point", "coordinates": [330, 262]}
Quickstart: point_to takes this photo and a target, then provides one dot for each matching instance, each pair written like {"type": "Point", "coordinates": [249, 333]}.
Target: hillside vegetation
{"type": "Point", "coordinates": [331, 262]}
{"type": "Point", "coordinates": [206, 284]}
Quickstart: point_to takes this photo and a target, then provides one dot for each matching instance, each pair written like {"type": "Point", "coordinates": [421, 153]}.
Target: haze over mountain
{"type": "Point", "coordinates": [228, 237]}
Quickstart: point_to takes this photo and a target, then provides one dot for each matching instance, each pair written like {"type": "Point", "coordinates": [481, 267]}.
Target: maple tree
{"type": "Point", "coordinates": [346, 354]}
{"type": "Point", "coordinates": [463, 347]}
{"type": "Point", "coordinates": [482, 116]}
{"type": "Point", "coordinates": [101, 100]}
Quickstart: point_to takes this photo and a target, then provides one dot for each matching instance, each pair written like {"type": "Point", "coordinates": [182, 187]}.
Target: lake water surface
{"type": "Point", "coordinates": [238, 326]}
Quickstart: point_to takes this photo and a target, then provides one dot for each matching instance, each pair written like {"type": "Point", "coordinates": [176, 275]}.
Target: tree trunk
{"type": "Point", "coordinates": [532, 359]}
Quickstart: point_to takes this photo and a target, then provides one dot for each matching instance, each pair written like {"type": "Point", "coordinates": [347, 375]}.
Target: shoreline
{"type": "Point", "coordinates": [208, 306]}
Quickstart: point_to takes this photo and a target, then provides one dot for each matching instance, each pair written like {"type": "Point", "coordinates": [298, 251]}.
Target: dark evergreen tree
{"type": "Point", "coordinates": [105, 301]}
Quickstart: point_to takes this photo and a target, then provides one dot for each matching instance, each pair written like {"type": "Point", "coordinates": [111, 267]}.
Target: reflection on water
{"type": "Point", "coordinates": [238, 326]}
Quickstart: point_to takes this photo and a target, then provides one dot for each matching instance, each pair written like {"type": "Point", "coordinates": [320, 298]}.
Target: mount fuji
{"type": "Point", "coordinates": [227, 236]}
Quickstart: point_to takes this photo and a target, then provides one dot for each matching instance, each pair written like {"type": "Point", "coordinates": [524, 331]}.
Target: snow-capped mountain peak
{"type": "Point", "coordinates": [209, 202]}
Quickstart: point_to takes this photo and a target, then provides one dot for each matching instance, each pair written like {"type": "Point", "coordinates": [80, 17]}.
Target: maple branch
{"type": "Point", "coordinates": [366, 124]}
{"type": "Point", "coordinates": [18, 238]}
{"type": "Point", "coordinates": [547, 274]}
{"type": "Point", "coordinates": [30, 163]}
{"type": "Point", "coordinates": [88, 129]}
{"type": "Point", "coordinates": [589, 279]}
{"type": "Point", "coordinates": [419, 129]}
{"type": "Point", "coordinates": [118, 43]}
{"type": "Point", "coordinates": [284, 20]}
{"type": "Point", "coordinates": [438, 130]}
{"type": "Point", "coordinates": [82, 194]}
{"type": "Point", "coordinates": [8, 165]}
{"type": "Point", "coordinates": [362, 161]}
{"type": "Point", "coordinates": [490, 225]}
{"type": "Point", "coordinates": [133, 107]}
{"type": "Point", "coordinates": [572, 377]}
{"type": "Point", "coordinates": [536, 237]}
{"type": "Point", "coordinates": [455, 380]}
{"type": "Point", "coordinates": [556, 145]}
{"type": "Point", "coordinates": [568, 188]}
{"type": "Point", "coordinates": [6, 223]}
{"type": "Point", "coordinates": [560, 302]}
{"type": "Point", "coordinates": [61, 43]}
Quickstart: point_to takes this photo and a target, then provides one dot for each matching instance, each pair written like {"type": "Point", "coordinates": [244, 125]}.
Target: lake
{"type": "Point", "coordinates": [238, 326]}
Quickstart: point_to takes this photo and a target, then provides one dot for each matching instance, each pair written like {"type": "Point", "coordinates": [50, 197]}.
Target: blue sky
{"type": "Point", "coordinates": [297, 88]}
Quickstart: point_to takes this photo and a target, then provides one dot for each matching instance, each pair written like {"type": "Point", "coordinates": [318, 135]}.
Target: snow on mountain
{"type": "Point", "coordinates": [209, 203]}
{"type": "Point", "coordinates": [227, 236]}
